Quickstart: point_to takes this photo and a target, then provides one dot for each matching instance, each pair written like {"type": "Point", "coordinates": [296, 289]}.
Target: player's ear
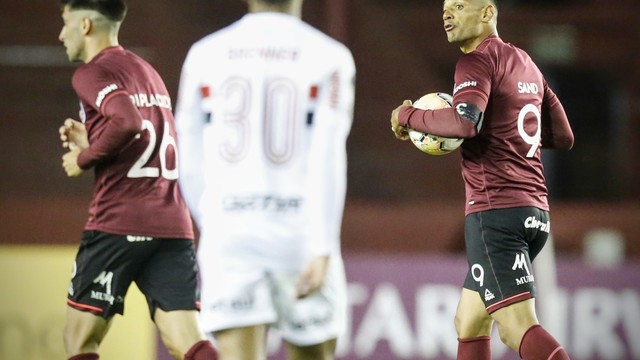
{"type": "Point", "coordinates": [86, 26]}
{"type": "Point", "coordinates": [488, 13]}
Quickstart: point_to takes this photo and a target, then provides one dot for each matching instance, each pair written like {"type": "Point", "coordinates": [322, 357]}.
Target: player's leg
{"type": "Point", "coordinates": [322, 351]}
{"type": "Point", "coordinates": [518, 323]}
{"type": "Point", "coordinates": [236, 302]}
{"type": "Point", "coordinates": [472, 321]}
{"type": "Point", "coordinates": [242, 343]}
{"type": "Point", "coordinates": [519, 329]}
{"type": "Point", "coordinates": [181, 335]}
{"type": "Point", "coordinates": [473, 326]}
{"type": "Point", "coordinates": [99, 282]}
{"type": "Point", "coordinates": [83, 333]}
{"type": "Point", "coordinates": [169, 281]}
{"type": "Point", "coordinates": [514, 320]}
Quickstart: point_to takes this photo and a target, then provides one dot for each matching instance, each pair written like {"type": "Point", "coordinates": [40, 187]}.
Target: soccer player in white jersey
{"type": "Point", "coordinates": [264, 110]}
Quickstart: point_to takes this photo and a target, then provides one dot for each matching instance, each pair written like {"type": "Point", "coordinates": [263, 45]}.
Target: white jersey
{"type": "Point", "coordinates": [266, 104]}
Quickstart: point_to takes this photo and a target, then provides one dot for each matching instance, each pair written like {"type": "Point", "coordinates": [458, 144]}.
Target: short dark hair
{"type": "Point", "coordinates": [114, 10]}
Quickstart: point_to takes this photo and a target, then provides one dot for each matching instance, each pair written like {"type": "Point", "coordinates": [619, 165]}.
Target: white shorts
{"type": "Point", "coordinates": [246, 297]}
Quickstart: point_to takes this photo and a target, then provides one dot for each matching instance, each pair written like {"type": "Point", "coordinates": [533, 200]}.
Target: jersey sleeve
{"type": "Point", "coordinates": [556, 131]}
{"type": "Point", "coordinates": [328, 160]}
{"type": "Point", "coordinates": [123, 120]}
{"type": "Point", "coordinates": [190, 121]}
{"type": "Point", "coordinates": [473, 76]}
{"type": "Point", "coordinates": [470, 98]}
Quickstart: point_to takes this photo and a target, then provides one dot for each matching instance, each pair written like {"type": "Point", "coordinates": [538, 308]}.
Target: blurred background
{"type": "Point", "coordinates": [404, 277]}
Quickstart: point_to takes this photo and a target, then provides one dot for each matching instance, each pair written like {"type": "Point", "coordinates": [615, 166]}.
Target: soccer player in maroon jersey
{"type": "Point", "coordinates": [506, 112]}
{"type": "Point", "coordinates": [139, 229]}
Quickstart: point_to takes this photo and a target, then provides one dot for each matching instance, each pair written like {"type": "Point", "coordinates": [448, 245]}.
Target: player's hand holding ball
{"type": "Point", "coordinates": [400, 132]}
{"type": "Point", "coordinates": [429, 143]}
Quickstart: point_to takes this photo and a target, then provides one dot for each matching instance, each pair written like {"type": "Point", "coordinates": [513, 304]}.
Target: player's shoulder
{"type": "Point", "coordinates": [92, 72]}
{"type": "Point", "coordinates": [494, 47]}
{"type": "Point", "coordinates": [490, 53]}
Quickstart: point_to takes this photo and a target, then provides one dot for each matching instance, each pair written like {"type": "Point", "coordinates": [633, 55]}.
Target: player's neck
{"type": "Point", "coordinates": [293, 8]}
{"type": "Point", "coordinates": [472, 44]}
{"type": "Point", "coordinates": [97, 44]}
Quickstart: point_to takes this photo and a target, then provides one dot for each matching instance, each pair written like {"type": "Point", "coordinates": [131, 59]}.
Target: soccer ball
{"type": "Point", "coordinates": [432, 144]}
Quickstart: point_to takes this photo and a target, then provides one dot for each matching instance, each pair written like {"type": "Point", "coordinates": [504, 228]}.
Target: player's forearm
{"type": "Point", "coordinates": [124, 123]}
{"type": "Point", "coordinates": [443, 122]}
{"type": "Point", "coordinates": [556, 130]}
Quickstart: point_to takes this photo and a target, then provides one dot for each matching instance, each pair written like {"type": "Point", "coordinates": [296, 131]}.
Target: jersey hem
{"type": "Point", "coordinates": [177, 235]}
{"type": "Point", "coordinates": [543, 207]}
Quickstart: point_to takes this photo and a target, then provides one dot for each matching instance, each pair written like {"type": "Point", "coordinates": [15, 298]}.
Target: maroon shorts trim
{"type": "Point", "coordinates": [509, 301]}
{"type": "Point", "coordinates": [82, 307]}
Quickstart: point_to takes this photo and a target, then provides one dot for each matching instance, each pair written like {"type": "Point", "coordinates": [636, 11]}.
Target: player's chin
{"type": "Point", "coordinates": [73, 56]}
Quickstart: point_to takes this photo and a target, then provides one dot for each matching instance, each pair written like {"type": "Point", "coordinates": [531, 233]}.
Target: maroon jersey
{"type": "Point", "coordinates": [126, 109]}
{"type": "Point", "coordinates": [501, 163]}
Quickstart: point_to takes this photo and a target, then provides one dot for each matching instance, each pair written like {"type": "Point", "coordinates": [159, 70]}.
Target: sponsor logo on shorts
{"type": "Point", "coordinates": [532, 223]}
{"type": "Point", "coordinates": [104, 279]}
{"type": "Point", "coordinates": [134, 238]}
{"type": "Point", "coordinates": [310, 322]}
{"type": "Point", "coordinates": [241, 303]}
{"type": "Point", "coordinates": [102, 296]}
{"type": "Point", "coordinates": [488, 295]}
{"type": "Point", "coordinates": [524, 280]}
{"type": "Point", "coordinates": [521, 264]}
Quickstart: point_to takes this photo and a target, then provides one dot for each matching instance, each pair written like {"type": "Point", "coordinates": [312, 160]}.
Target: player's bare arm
{"type": "Point", "coordinates": [398, 130]}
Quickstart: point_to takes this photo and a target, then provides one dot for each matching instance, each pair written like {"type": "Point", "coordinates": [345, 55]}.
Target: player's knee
{"type": "Point", "coordinates": [78, 342]}
{"type": "Point", "coordinates": [176, 348]}
{"type": "Point", "coordinates": [507, 336]}
{"type": "Point", "coordinates": [69, 340]}
{"type": "Point", "coordinates": [472, 326]}
{"type": "Point", "coordinates": [458, 323]}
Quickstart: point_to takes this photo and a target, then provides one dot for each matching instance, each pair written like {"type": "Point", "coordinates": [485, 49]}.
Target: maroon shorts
{"type": "Point", "coordinates": [165, 271]}
{"type": "Point", "coordinates": [500, 246]}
